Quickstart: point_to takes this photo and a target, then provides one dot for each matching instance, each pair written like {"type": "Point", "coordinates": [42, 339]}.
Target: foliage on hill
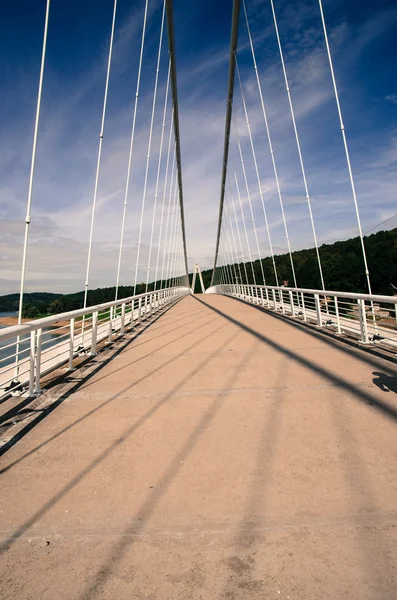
{"type": "Point", "coordinates": [41, 300]}
{"type": "Point", "coordinates": [342, 264]}
{"type": "Point", "coordinates": [39, 304]}
{"type": "Point", "coordinates": [342, 267]}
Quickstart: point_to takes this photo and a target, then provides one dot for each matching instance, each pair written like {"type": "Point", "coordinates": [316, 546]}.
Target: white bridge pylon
{"type": "Point", "coordinates": [197, 271]}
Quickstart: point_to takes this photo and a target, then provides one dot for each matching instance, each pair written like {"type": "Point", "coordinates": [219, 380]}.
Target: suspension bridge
{"type": "Point", "coordinates": [233, 443]}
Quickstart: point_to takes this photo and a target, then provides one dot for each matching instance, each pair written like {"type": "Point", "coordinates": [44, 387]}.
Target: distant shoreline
{"type": "Point", "coordinates": [11, 321]}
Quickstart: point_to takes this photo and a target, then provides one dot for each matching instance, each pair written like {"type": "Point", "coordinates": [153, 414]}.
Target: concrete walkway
{"type": "Point", "coordinates": [225, 453]}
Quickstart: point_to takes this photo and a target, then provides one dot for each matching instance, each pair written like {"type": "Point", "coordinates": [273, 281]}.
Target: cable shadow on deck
{"type": "Point", "coordinates": [5, 545]}
{"type": "Point", "coordinates": [359, 394]}
{"type": "Point", "coordinates": [130, 534]}
{"type": "Point", "coordinates": [81, 382]}
{"type": "Point", "coordinates": [364, 353]}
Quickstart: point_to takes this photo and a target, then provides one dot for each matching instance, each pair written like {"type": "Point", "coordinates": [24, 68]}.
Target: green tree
{"type": "Point", "coordinates": [30, 312]}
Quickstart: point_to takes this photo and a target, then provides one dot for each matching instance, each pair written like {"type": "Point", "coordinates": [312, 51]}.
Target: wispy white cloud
{"type": "Point", "coordinates": [63, 191]}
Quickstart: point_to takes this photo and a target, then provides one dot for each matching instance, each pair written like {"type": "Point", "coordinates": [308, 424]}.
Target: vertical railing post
{"type": "Point", "coordinates": [291, 301]}
{"type": "Point", "coordinates": [318, 310]}
{"type": "Point", "coordinates": [110, 325]}
{"type": "Point", "coordinates": [39, 336]}
{"type": "Point", "coordinates": [303, 307]}
{"type": "Point", "coordinates": [32, 362]}
{"type": "Point", "coordinates": [274, 299]}
{"type": "Point", "coordinates": [71, 344]}
{"type": "Point", "coordinates": [262, 299]}
{"type": "Point", "coordinates": [363, 321]}
{"type": "Point", "coordinates": [339, 330]}
{"type": "Point", "coordinates": [282, 301]}
{"type": "Point", "coordinates": [140, 310]}
{"type": "Point", "coordinates": [267, 298]}
{"type": "Point", "coordinates": [122, 326]}
{"type": "Point", "coordinates": [94, 333]}
{"type": "Point", "coordinates": [132, 312]}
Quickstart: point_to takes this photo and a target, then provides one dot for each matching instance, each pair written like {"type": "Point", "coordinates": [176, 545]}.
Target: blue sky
{"type": "Point", "coordinates": [363, 37]}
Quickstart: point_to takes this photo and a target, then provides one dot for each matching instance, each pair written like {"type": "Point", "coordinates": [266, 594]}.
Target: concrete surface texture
{"type": "Point", "coordinates": [224, 453]}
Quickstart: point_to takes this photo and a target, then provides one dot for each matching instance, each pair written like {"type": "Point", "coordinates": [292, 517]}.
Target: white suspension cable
{"type": "Point", "coordinates": [229, 248]}
{"type": "Point", "coordinates": [127, 184]}
{"type": "Point", "coordinates": [295, 130]}
{"type": "Point", "coordinates": [229, 279]}
{"type": "Point", "coordinates": [174, 260]}
{"type": "Point", "coordinates": [238, 232]}
{"type": "Point", "coordinates": [342, 127]}
{"type": "Point", "coordinates": [171, 241]}
{"type": "Point", "coordinates": [172, 235]}
{"type": "Point", "coordinates": [180, 259]}
{"type": "Point", "coordinates": [256, 170]}
{"type": "Point", "coordinates": [164, 197]}
{"type": "Point", "coordinates": [233, 238]}
{"type": "Point", "coordinates": [171, 198]}
{"type": "Point", "coordinates": [249, 199]}
{"type": "Point", "coordinates": [31, 179]}
{"type": "Point", "coordinates": [98, 167]}
{"type": "Point", "coordinates": [275, 173]}
{"type": "Point", "coordinates": [177, 251]}
{"type": "Point", "coordinates": [245, 227]}
{"type": "Point", "coordinates": [149, 148]}
{"type": "Point", "coordinates": [223, 262]}
{"type": "Point", "coordinates": [257, 174]}
{"type": "Point", "coordinates": [158, 176]}
{"type": "Point", "coordinates": [33, 163]}
{"type": "Point", "coordinates": [175, 265]}
{"type": "Point", "coordinates": [229, 274]}
{"type": "Point", "coordinates": [230, 254]}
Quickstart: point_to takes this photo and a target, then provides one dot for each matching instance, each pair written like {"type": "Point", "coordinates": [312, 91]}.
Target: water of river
{"type": "Point", "coordinates": [7, 352]}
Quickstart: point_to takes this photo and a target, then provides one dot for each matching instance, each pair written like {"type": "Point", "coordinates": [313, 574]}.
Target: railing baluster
{"type": "Point", "coordinates": [94, 333]}
{"type": "Point", "coordinates": [318, 310]}
{"type": "Point", "coordinates": [122, 326]}
{"type": "Point", "coordinates": [337, 315]}
{"type": "Point", "coordinates": [363, 321]}
{"type": "Point", "coordinates": [303, 306]}
{"type": "Point", "coordinates": [71, 344]}
{"type": "Point", "coordinates": [32, 362]}
{"type": "Point", "coordinates": [291, 301]}
{"type": "Point", "coordinates": [39, 336]}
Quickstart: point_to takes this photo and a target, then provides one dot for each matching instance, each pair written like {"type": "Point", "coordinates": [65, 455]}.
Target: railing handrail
{"type": "Point", "coordinates": [353, 295]}
{"type": "Point", "coordinates": [18, 330]}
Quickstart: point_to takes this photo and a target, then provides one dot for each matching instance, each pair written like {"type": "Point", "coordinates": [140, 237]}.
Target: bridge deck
{"type": "Point", "coordinates": [225, 453]}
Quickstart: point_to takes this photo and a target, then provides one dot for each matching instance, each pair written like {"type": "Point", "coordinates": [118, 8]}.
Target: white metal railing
{"type": "Point", "coordinates": [31, 350]}
{"type": "Point", "coordinates": [371, 319]}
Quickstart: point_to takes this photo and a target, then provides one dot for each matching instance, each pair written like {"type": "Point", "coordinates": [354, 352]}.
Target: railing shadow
{"type": "Point", "coordinates": [5, 545]}
{"type": "Point", "coordinates": [368, 354]}
{"type": "Point", "coordinates": [47, 411]}
{"type": "Point", "coordinates": [135, 334]}
{"type": "Point", "coordinates": [265, 456]}
{"type": "Point", "coordinates": [359, 394]}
